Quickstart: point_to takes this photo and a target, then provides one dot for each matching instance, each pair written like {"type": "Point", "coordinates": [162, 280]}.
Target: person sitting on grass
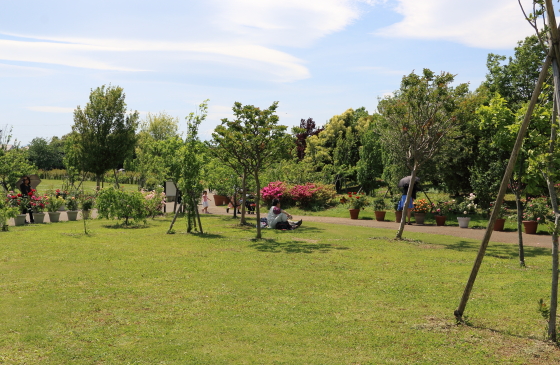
{"type": "Point", "coordinates": [279, 219]}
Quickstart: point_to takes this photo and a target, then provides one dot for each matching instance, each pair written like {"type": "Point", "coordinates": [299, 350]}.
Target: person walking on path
{"type": "Point", "coordinates": [405, 186]}
{"type": "Point", "coordinates": [27, 191]}
{"type": "Point", "coordinates": [205, 204]}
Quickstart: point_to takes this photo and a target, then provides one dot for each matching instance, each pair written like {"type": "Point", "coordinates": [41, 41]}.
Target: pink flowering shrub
{"type": "Point", "coordinates": [153, 201]}
{"type": "Point", "coordinates": [276, 190]}
{"type": "Point", "coordinates": [303, 194]}
{"type": "Point", "coordinates": [315, 196]}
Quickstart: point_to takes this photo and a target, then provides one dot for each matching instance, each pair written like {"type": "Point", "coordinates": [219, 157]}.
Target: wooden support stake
{"type": "Point", "coordinates": [503, 187]}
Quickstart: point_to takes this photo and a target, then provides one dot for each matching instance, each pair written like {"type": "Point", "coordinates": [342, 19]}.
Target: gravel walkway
{"type": "Point", "coordinates": [536, 240]}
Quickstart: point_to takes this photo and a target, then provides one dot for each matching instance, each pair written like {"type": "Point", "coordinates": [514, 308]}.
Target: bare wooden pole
{"type": "Point", "coordinates": [554, 202]}
{"type": "Point", "coordinates": [174, 219]}
{"type": "Point", "coordinates": [503, 187]}
{"type": "Point", "coordinates": [552, 334]}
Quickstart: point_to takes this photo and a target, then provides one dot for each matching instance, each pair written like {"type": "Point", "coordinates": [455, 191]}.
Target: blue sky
{"type": "Point", "coordinates": [316, 57]}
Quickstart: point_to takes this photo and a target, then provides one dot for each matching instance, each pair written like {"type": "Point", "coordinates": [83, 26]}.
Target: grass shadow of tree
{"type": "Point", "coordinates": [499, 250]}
{"type": "Point", "coordinates": [294, 246]}
{"type": "Point", "coordinates": [204, 235]}
{"type": "Point", "coordinates": [121, 225]}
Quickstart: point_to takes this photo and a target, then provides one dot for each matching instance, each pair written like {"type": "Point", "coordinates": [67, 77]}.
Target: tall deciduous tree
{"type": "Point", "coordinates": [105, 132]}
{"type": "Point", "coordinates": [306, 129]}
{"type": "Point", "coordinates": [418, 118]}
{"type": "Point", "coordinates": [255, 140]}
{"type": "Point", "coordinates": [46, 155]}
{"type": "Point", "coordinates": [184, 163]}
{"type": "Point", "coordinates": [13, 165]}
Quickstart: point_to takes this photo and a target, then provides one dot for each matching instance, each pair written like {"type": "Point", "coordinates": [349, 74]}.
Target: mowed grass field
{"type": "Point", "coordinates": [322, 294]}
{"type": "Point", "coordinates": [87, 185]}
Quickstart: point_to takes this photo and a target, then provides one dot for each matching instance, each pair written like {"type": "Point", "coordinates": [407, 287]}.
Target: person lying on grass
{"type": "Point", "coordinates": [279, 219]}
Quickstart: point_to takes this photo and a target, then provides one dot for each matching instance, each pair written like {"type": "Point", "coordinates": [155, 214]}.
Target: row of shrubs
{"type": "Point", "coordinates": [313, 196]}
{"type": "Point", "coordinates": [118, 204]}
{"type": "Point", "coordinates": [111, 203]}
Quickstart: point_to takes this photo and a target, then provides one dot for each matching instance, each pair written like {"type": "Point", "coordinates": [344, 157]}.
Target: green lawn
{"type": "Point", "coordinates": [87, 185]}
{"type": "Point", "coordinates": [323, 294]}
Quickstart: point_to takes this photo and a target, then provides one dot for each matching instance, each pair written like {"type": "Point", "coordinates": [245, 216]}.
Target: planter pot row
{"type": "Point", "coordinates": [530, 227]}
{"type": "Point", "coordinates": [53, 217]}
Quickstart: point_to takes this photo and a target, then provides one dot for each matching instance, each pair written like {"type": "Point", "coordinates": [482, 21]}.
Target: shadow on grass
{"type": "Point", "coordinates": [501, 251]}
{"type": "Point", "coordinates": [124, 226]}
{"type": "Point", "coordinates": [270, 245]}
{"type": "Point", "coordinates": [468, 323]}
{"type": "Point", "coordinates": [204, 235]}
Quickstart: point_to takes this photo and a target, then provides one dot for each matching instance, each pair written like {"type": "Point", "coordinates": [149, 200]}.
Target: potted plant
{"type": "Point", "coordinates": [38, 206]}
{"type": "Point", "coordinates": [54, 202]}
{"type": "Point", "coordinates": [421, 207]}
{"type": "Point", "coordinates": [441, 209]}
{"type": "Point", "coordinates": [7, 211]}
{"type": "Point", "coordinates": [502, 214]}
{"type": "Point", "coordinates": [72, 207]}
{"type": "Point", "coordinates": [356, 202]}
{"type": "Point", "coordinates": [379, 207]}
{"type": "Point", "coordinates": [535, 212]}
{"type": "Point", "coordinates": [21, 204]}
{"type": "Point", "coordinates": [86, 204]}
{"type": "Point", "coordinates": [466, 207]}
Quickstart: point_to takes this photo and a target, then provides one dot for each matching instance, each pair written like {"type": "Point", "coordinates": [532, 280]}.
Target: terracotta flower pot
{"type": "Point", "coordinates": [499, 224]}
{"type": "Point", "coordinates": [354, 213]}
{"type": "Point", "coordinates": [530, 226]}
{"type": "Point", "coordinates": [380, 215]}
{"type": "Point", "coordinates": [440, 220]}
{"type": "Point", "coordinates": [220, 200]}
{"type": "Point", "coordinates": [398, 216]}
{"type": "Point", "coordinates": [419, 218]}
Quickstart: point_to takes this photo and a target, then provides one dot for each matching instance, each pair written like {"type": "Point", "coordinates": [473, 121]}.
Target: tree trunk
{"type": "Point", "coordinates": [519, 207]}
{"type": "Point", "coordinates": [177, 196]}
{"type": "Point", "coordinates": [408, 199]}
{"type": "Point", "coordinates": [116, 178]}
{"type": "Point", "coordinates": [503, 186]}
{"type": "Point", "coordinates": [244, 198]}
{"type": "Point", "coordinates": [197, 214]}
{"type": "Point", "coordinates": [257, 205]}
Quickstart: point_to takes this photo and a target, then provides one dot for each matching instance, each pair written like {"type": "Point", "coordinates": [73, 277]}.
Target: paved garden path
{"type": "Point", "coordinates": [537, 240]}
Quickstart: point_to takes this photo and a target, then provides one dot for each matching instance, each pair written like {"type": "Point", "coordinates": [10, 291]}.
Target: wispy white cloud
{"type": "Point", "coordinates": [75, 55]}
{"type": "Point", "coordinates": [7, 70]}
{"type": "Point", "coordinates": [476, 23]}
{"type": "Point", "coordinates": [240, 34]}
{"type": "Point", "coordinates": [99, 54]}
{"type": "Point", "coordinates": [285, 22]}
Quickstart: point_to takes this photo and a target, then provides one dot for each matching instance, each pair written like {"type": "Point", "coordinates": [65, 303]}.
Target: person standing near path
{"type": "Point", "coordinates": [27, 191]}
{"type": "Point", "coordinates": [205, 204]}
{"type": "Point", "coordinates": [411, 203]}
